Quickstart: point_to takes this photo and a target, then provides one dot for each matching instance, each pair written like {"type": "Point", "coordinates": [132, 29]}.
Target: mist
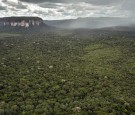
{"type": "Point", "coordinates": [91, 22]}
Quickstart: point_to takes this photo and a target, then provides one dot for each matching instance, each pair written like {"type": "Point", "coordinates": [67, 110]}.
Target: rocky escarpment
{"type": "Point", "coordinates": [25, 22]}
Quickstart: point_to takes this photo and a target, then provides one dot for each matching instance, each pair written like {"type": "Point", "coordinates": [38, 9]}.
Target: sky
{"type": "Point", "coordinates": [67, 9]}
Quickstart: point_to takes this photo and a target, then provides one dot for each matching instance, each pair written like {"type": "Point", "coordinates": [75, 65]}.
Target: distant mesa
{"type": "Point", "coordinates": [25, 22]}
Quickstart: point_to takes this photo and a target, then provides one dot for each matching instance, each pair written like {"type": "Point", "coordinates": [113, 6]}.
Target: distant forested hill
{"type": "Point", "coordinates": [91, 22]}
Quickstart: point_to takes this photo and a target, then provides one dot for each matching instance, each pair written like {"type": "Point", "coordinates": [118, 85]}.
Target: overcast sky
{"type": "Point", "coordinates": [66, 9]}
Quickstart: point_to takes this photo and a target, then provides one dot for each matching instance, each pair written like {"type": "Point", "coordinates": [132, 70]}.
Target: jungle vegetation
{"type": "Point", "coordinates": [67, 73]}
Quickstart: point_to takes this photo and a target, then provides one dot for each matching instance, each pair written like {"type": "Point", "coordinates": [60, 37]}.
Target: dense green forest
{"type": "Point", "coordinates": [65, 73]}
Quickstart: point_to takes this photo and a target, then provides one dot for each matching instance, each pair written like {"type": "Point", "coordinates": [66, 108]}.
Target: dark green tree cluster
{"type": "Point", "coordinates": [67, 74]}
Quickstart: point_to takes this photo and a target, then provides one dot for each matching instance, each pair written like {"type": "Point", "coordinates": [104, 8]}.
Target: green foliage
{"type": "Point", "coordinates": [69, 74]}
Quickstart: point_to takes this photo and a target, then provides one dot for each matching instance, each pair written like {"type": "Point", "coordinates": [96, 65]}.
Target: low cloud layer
{"type": "Point", "coordinates": [66, 9]}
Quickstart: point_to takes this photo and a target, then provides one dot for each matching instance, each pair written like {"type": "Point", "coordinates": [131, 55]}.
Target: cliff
{"type": "Point", "coordinates": [21, 21]}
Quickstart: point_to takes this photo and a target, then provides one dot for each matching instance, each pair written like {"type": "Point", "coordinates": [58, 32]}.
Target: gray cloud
{"type": "Point", "coordinates": [34, 1]}
{"type": "Point", "coordinates": [2, 8]}
{"type": "Point", "coordinates": [97, 2]}
{"type": "Point", "coordinates": [129, 5]}
{"type": "Point", "coordinates": [63, 9]}
{"type": "Point", "coordinates": [21, 6]}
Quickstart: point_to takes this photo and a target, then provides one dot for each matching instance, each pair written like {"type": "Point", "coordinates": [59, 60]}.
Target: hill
{"type": "Point", "coordinates": [23, 25]}
{"type": "Point", "coordinates": [21, 21]}
{"type": "Point", "coordinates": [91, 22]}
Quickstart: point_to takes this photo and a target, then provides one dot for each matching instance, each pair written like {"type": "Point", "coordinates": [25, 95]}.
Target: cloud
{"type": "Point", "coordinates": [2, 8]}
{"type": "Point", "coordinates": [21, 6]}
{"type": "Point", "coordinates": [97, 2]}
{"type": "Point", "coordinates": [63, 9]}
{"type": "Point", "coordinates": [33, 1]}
{"type": "Point", "coordinates": [129, 7]}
